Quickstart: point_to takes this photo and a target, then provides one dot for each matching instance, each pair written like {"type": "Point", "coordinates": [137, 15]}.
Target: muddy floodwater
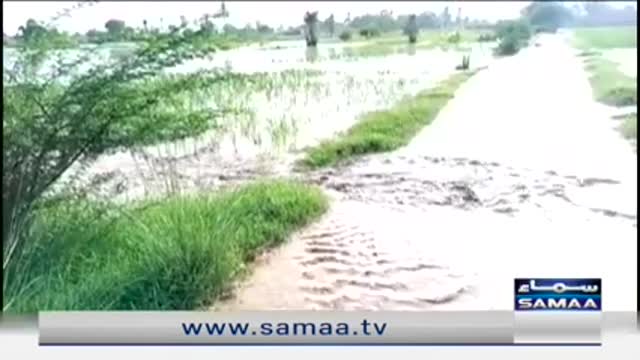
{"type": "Point", "coordinates": [521, 175]}
{"type": "Point", "coordinates": [302, 97]}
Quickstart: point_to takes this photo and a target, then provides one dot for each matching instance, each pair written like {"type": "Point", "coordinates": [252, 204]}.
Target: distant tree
{"type": "Point", "coordinates": [263, 29]}
{"type": "Point", "coordinates": [115, 26]}
{"type": "Point", "coordinates": [229, 29]}
{"type": "Point", "coordinates": [547, 16]}
{"type": "Point", "coordinates": [345, 35]}
{"type": "Point", "coordinates": [31, 31]}
{"type": "Point", "coordinates": [445, 18]}
{"type": "Point", "coordinates": [331, 25]}
{"type": "Point", "coordinates": [311, 28]}
{"type": "Point", "coordinates": [411, 29]}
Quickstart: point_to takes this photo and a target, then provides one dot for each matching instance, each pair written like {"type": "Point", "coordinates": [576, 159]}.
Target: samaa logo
{"type": "Point", "coordinates": [558, 294]}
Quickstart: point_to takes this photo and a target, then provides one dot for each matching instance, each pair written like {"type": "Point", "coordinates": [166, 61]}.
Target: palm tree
{"type": "Point", "coordinates": [311, 28]}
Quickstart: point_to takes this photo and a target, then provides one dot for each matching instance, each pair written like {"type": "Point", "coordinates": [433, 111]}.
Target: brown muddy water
{"type": "Point", "coordinates": [521, 175]}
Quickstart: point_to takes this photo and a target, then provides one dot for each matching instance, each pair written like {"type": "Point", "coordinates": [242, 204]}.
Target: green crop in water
{"type": "Point", "coordinates": [386, 130]}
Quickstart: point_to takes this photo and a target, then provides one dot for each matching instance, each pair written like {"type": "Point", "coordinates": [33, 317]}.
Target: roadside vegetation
{"type": "Point", "coordinates": [611, 86]}
{"type": "Point", "coordinates": [63, 250]}
{"type": "Point", "coordinates": [179, 253]}
{"type": "Point", "coordinates": [386, 130]}
{"type": "Point", "coordinates": [603, 38]}
{"type": "Point", "coordinates": [629, 127]}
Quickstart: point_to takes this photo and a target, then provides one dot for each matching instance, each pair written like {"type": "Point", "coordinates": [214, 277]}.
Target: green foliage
{"type": "Point", "coordinates": [34, 34]}
{"type": "Point", "coordinates": [369, 33]}
{"type": "Point", "coordinates": [606, 37]}
{"type": "Point", "coordinates": [345, 35]}
{"type": "Point", "coordinates": [513, 35]}
{"type": "Point", "coordinates": [610, 85]}
{"type": "Point", "coordinates": [629, 127]}
{"type": "Point", "coordinates": [386, 130]}
{"type": "Point", "coordinates": [487, 37]}
{"type": "Point", "coordinates": [547, 16]}
{"type": "Point", "coordinates": [115, 26]}
{"type": "Point", "coordinates": [176, 254]}
{"type": "Point", "coordinates": [454, 38]}
{"type": "Point", "coordinates": [50, 124]}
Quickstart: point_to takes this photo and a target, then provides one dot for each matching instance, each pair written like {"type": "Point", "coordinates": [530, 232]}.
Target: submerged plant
{"type": "Point", "coordinates": [465, 63]}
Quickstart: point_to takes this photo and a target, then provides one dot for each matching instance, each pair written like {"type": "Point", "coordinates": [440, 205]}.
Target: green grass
{"type": "Point", "coordinates": [175, 254]}
{"type": "Point", "coordinates": [629, 127]}
{"type": "Point", "coordinates": [610, 85]}
{"type": "Point", "coordinates": [386, 130]}
{"type": "Point", "coordinates": [606, 37]}
{"type": "Point", "coordinates": [396, 43]}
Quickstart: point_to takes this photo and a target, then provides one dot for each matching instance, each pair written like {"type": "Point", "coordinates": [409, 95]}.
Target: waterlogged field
{"type": "Point", "coordinates": [281, 98]}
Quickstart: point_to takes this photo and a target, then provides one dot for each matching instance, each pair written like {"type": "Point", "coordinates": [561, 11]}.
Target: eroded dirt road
{"type": "Point", "coordinates": [521, 175]}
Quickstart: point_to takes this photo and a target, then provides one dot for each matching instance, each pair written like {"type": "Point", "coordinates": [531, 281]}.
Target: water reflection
{"type": "Point", "coordinates": [311, 54]}
{"type": "Point", "coordinates": [411, 49]}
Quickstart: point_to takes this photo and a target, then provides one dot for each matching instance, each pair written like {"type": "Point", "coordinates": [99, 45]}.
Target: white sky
{"type": "Point", "coordinates": [273, 13]}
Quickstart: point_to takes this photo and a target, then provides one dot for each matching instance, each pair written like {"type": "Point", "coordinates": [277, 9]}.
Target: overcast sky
{"type": "Point", "coordinates": [16, 13]}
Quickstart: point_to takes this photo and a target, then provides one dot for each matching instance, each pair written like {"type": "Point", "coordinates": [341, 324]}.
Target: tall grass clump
{"type": "Point", "coordinates": [175, 254]}
{"type": "Point", "coordinates": [386, 130]}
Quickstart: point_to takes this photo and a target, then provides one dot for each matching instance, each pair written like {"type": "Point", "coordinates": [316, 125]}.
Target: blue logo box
{"type": "Point", "coordinates": [558, 294]}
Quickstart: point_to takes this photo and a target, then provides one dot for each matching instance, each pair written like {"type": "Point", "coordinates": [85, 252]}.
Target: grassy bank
{"type": "Point", "coordinates": [386, 130]}
{"type": "Point", "coordinates": [393, 43]}
{"type": "Point", "coordinates": [178, 253]}
{"type": "Point", "coordinates": [606, 37]}
{"type": "Point", "coordinates": [629, 127]}
{"type": "Point", "coordinates": [610, 85]}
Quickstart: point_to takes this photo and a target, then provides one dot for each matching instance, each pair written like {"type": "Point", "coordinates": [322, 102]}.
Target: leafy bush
{"type": "Point", "coordinates": [54, 120]}
{"type": "Point", "coordinates": [513, 36]}
{"type": "Point", "coordinates": [454, 38]}
{"type": "Point", "coordinates": [369, 33]}
{"type": "Point", "coordinates": [487, 37]}
{"type": "Point", "coordinates": [345, 35]}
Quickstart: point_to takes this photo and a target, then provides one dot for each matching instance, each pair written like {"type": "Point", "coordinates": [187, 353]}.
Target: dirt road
{"type": "Point", "coordinates": [521, 175]}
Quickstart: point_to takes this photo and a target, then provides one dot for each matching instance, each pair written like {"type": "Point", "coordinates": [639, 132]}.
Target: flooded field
{"type": "Point", "coordinates": [507, 182]}
{"type": "Point", "coordinates": [521, 175]}
{"type": "Point", "coordinates": [294, 98]}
